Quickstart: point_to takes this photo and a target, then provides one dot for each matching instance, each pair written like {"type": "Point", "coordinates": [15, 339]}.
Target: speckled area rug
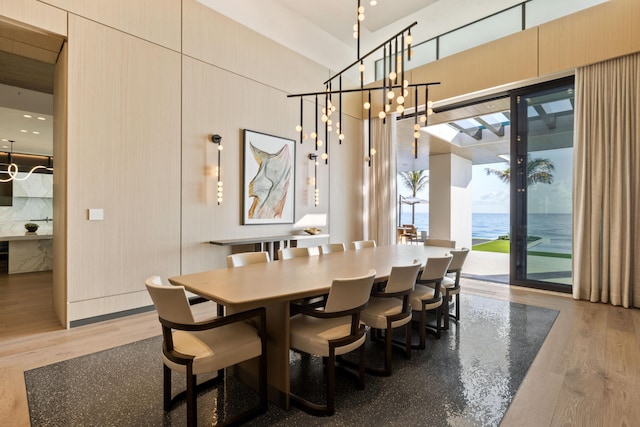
{"type": "Point", "coordinates": [466, 378]}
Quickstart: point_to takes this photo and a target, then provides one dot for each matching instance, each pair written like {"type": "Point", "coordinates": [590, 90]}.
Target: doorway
{"type": "Point", "coordinates": [541, 191]}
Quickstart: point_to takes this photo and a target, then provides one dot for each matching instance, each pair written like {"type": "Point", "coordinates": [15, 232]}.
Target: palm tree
{"type": "Point", "coordinates": [538, 171]}
{"type": "Point", "coordinates": [414, 181]}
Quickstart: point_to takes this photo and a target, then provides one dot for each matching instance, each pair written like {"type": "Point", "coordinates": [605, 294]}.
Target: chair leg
{"type": "Point", "coordinates": [408, 338]}
{"type": "Point", "coordinates": [458, 307]}
{"type": "Point", "coordinates": [387, 351]}
{"type": "Point", "coordinates": [166, 392]}
{"type": "Point", "coordinates": [192, 404]}
{"type": "Point", "coordinates": [446, 301]}
{"type": "Point", "coordinates": [361, 369]}
{"type": "Point", "coordinates": [331, 384]}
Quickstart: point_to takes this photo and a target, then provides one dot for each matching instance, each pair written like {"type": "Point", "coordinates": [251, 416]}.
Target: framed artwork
{"type": "Point", "coordinates": [268, 179]}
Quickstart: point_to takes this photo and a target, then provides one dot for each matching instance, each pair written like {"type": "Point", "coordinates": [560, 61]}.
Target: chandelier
{"type": "Point", "coordinates": [397, 94]}
{"type": "Point", "coordinates": [13, 169]}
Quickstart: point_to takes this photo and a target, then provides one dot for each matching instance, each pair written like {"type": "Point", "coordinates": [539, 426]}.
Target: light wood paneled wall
{"type": "Point", "coordinates": [35, 14]}
{"type": "Point", "coordinates": [123, 157]}
{"type": "Point", "coordinates": [606, 31]}
{"type": "Point", "coordinates": [158, 21]}
{"type": "Point", "coordinates": [507, 60]}
{"type": "Point", "coordinates": [60, 132]}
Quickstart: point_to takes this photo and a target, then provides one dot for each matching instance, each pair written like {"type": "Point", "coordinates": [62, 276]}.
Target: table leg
{"type": "Point", "coordinates": [278, 374]}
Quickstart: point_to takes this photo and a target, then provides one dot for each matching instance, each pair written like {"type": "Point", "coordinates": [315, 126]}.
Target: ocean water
{"type": "Point", "coordinates": [554, 227]}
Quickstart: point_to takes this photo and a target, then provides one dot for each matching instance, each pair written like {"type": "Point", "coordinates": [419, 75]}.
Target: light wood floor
{"type": "Point", "coordinates": [587, 372]}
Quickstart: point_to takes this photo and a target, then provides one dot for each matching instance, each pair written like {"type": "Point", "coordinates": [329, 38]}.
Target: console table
{"type": "Point", "coordinates": [270, 244]}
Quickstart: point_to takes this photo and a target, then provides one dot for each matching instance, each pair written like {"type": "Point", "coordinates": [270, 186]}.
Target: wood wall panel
{"type": "Point", "coordinates": [85, 309]}
{"type": "Point", "coordinates": [507, 60]}
{"type": "Point", "coordinates": [123, 157]}
{"type": "Point", "coordinates": [60, 129]}
{"type": "Point", "coordinates": [219, 102]}
{"type": "Point", "coordinates": [603, 32]}
{"type": "Point", "coordinates": [219, 41]}
{"type": "Point", "coordinates": [36, 14]}
{"type": "Point", "coordinates": [157, 21]}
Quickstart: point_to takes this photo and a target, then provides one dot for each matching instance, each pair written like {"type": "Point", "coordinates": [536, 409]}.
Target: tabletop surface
{"type": "Point", "coordinates": [257, 284]}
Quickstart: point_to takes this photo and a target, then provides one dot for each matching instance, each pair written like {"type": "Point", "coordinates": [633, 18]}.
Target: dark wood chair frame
{"type": "Point", "coordinates": [447, 299]}
{"type": "Point", "coordinates": [424, 327]}
{"type": "Point", "coordinates": [184, 359]}
{"type": "Point", "coordinates": [331, 362]}
{"type": "Point", "coordinates": [389, 342]}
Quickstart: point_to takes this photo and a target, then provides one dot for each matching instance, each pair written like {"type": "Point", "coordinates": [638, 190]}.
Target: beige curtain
{"type": "Point", "coordinates": [606, 253]}
{"type": "Point", "coordinates": [382, 181]}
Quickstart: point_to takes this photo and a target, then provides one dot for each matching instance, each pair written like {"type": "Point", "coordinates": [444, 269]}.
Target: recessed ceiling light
{"type": "Point", "coordinates": [36, 132]}
{"type": "Point", "coordinates": [23, 130]}
{"type": "Point", "coordinates": [28, 116]}
{"type": "Point", "coordinates": [5, 146]}
{"type": "Point", "coordinates": [5, 140]}
{"type": "Point", "coordinates": [41, 118]}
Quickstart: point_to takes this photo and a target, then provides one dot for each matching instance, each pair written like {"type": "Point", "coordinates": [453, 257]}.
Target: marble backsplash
{"type": "Point", "coordinates": [27, 209]}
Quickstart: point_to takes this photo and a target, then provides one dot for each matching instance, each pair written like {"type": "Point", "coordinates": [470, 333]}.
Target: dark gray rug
{"type": "Point", "coordinates": [468, 377]}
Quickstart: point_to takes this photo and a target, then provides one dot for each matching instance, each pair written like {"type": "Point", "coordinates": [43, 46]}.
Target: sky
{"type": "Point", "coordinates": [490, 195]}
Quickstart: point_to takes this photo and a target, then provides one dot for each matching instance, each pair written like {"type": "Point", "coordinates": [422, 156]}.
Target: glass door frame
{"type": "Point", "coordinates": [518, 186]}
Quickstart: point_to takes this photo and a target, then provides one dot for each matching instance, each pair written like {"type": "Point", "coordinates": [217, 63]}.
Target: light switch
{"type": "Point", "coordinates": [96, 214]}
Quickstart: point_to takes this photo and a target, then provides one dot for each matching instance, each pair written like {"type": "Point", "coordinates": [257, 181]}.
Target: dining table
{"type": "Point", "coordinates": [274, 285]}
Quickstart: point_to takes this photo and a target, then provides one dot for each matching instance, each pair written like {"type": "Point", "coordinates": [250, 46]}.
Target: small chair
{"type": "Point", "coordinates": [207, 346]}
{"type": "Point", "coordinates": [360, 244]}
{"type": "Point", "coordinates": [451, 285]}
{"type": "Point", "coordinates": [288, 253]}
{"type": "Point", "coordinates": [427, 295]}
{"type": "Point", "coordinates": [331, 247]}
{"type": "Point", "coordinates": [440, 242]}
{"type": "Point", "coordinates": [331, 331]}
{"type": "Point", "coordinates": [388, 309]}
{"type": "Point", "coordinates": [410, 233]}
{"type": "Point", "coordinates": [246, 258]}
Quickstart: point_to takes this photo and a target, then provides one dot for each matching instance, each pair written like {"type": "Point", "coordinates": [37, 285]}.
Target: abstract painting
{"type": "Point", "coordinates": [269, 177]}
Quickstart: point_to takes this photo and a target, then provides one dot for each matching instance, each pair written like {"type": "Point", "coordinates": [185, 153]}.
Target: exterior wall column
{"type": "Point", "coordinates": [450, 198]}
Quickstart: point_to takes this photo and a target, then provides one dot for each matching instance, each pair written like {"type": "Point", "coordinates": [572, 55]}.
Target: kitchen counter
{"type": "Point", "coordinates": [14, 230]}
{"type": "Point", "coordinates": [27, 251]}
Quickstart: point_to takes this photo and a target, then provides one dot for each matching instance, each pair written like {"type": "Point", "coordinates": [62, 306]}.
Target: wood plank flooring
{"type": "Point", "coordinates": [587, 372]}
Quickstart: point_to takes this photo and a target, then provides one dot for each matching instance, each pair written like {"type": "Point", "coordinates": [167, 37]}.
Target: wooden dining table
{"type": "Point", "coordinates": [274, 285]}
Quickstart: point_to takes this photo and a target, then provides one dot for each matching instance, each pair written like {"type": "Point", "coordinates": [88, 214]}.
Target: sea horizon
{"type": "Point", "coordinates": [555, 228]}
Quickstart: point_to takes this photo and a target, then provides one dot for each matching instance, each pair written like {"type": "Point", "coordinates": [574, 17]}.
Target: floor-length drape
{"type": "Point", "coordinates": [606, 253]}
{"type": "Point", "coordinates": [382, 182]}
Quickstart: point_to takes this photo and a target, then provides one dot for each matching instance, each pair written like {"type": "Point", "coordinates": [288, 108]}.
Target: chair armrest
{"type": "Point", "coordinates": [217, 322]}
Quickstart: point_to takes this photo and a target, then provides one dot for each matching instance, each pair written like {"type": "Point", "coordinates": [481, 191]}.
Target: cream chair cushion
{"type": "Point", "coordinates": [375, 315]}
{"type": "Point", "coordinates": [216, 348]}
{"type": "Point", "coordinates": [422, 293]}
{"type": "Point", "coordinates": [311, 335]}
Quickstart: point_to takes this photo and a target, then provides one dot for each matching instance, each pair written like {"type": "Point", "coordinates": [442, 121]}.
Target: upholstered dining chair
{"type": "Point", "coordinates": [331, 247]}
{"type": "Point", "coordinates": [440, 242]}
{"type": "Point", "coordinates": [451, 285]}
{"type": "Point", "coordinates": [288, 253]}
{"type": "Point", "coordinates": [197, 347]}
{"type": "Point", "coordinates": [245, 258]}
{"type": "Point", "coordinates": [388, 309]}
{"type": "Point", "coordinates": [427, 295]}
{"type": "Point", "coordinates": [360, 244]}
{"type": "Point", "coordinates": [330, 331]}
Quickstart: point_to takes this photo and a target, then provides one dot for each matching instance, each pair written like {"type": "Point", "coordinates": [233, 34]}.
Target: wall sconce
{"type": "Point", "coordinates": [316, 192]}
{"type": "Point", "coordinates": [217, 139]}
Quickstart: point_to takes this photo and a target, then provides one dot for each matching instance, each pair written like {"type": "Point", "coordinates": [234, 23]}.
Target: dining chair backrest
{"type": "Point", "coordinates": [459, 256]}
{"type": "Point", "coordinates": [360, 244]}
{"type": "Point", "coordinates": [170, 301]}
{"type": "Point", "coordinates": [402, 278]}
{"type": "Point", "coordinates": [331, 247]}
{"type": "Point", "coordinates": [288, 253]}
{"type": "Point", "coordinates": [246, 258]}
{"type": "Point", "coordinates": [436, 268]}
{"type": "Point", "coordinates": [410, 228]}
{"type": "Point", "coordinates": [440, 242]}
{"type": "Point", "coordinates": [347, 294]}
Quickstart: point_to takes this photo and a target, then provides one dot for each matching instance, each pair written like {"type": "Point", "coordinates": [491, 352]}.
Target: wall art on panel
{"type": "Point", "coordinates": [269, 177]}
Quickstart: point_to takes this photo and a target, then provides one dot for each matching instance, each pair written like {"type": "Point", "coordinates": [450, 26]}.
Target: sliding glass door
{"type": "Point", "coordinates": [541, 188]}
